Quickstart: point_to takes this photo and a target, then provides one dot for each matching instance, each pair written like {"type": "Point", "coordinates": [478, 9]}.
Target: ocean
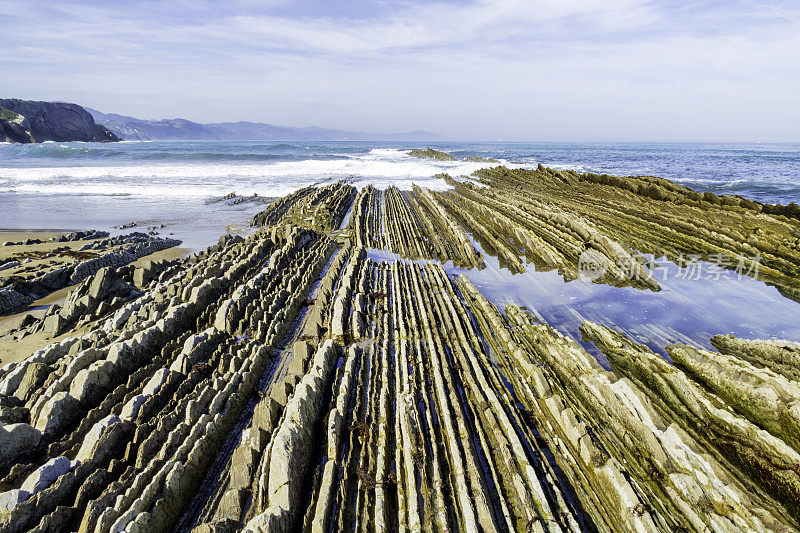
{"type": "Point", "coordinates": [64, 186]}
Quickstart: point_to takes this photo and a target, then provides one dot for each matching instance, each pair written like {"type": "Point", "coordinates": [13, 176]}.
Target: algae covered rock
{"type": "Point", "coordinates": [291, 381]}
{"type": "Point", "coordinates": [430, 153]}
{"type": "Point", "coordinates": [780, 356]}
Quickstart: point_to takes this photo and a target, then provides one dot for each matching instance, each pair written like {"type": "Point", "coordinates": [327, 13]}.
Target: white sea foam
{"type": "Point", "coordinates": [379, 167]}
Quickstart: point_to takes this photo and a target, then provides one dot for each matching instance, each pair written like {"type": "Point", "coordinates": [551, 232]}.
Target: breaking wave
{"type": "Point", "coordinates": [381, 167]}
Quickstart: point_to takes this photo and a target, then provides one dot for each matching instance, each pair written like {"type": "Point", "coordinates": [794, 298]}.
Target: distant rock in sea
{"type": "Point", "coordinates": [26, 121]}
{"type": "Point", "coordinates": [430, 153]}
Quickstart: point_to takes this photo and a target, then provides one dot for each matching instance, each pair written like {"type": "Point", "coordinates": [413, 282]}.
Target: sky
{"type": "Point", "coordinates": [512, 70]}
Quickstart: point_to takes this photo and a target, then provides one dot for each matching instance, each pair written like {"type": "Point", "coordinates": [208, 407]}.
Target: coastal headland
{"type": "Point", "coordinates": [27, 121]}
{"type": "Point", "coordinates": [340, 369]}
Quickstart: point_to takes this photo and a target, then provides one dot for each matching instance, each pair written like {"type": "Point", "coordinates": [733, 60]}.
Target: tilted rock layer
{"type": "Point", "coordinates": [288, 382]}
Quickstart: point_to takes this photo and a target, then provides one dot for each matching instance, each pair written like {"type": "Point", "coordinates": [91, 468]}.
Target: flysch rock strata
{"type": "Point", "coordinates": [782, 357]}
{"type": "Point", "coordinates": [649, 216]}
{"type": "Point", "coordinates": [738, 446]}
{"type": "Point", "coordinates": [100, 252]}
{"type": "Point", "coordinates": [287, 381]}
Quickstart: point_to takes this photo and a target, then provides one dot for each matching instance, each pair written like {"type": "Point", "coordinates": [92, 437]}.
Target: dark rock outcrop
{"type": "Point", "coordinates": [26, 121]}
{"type": "Point", "coordinates": [13, 127]}
{"type": "Point", "coordinates": [114, 252]}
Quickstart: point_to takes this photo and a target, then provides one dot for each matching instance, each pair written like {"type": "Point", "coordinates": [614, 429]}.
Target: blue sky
{"type": "Point", "coordinates": [518, 70]}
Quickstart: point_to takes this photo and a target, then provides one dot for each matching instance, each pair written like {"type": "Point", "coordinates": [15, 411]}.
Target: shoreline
{"type": "Point", "coordinates": [35, 231]}
{"type": "Point", "coordinates": [767, 173]}
{"type": "Point", "coordinates": [367, 326]}
{"type": "Point", "coordinates": [195, 221]}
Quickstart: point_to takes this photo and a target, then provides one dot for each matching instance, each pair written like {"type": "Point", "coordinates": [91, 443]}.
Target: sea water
{"type": "Point", "coordinates": [98, 186]}
{"type": "Point", "coordinates": [62, 186]}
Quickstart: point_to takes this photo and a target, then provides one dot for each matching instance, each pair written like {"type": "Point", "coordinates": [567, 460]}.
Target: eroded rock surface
{"type": "Point", "coordinates": [289, 382]}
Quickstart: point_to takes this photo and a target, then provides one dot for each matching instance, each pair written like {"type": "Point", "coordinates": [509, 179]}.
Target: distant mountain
{"type": "Point", "coordinates": [27, 121]}
{"type": "Point", "coordinates": [135, 129]}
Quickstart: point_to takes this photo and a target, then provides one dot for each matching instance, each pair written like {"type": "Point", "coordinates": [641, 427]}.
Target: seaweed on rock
{"type": "Point", "coordinates": [287, 381]}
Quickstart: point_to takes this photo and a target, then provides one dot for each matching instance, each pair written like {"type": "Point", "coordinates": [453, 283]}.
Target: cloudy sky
{"type": "Point", "coordinates": [556, 70]}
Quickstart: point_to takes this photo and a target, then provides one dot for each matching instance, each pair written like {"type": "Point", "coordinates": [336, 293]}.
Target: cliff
{"type": "Point", "coordinates": [26, 121]}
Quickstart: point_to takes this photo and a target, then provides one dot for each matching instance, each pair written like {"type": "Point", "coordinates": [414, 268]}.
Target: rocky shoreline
{"type": "Point", "coordinates": [48, 269]}
{"type": "Point", "coordinates": [289, 381]}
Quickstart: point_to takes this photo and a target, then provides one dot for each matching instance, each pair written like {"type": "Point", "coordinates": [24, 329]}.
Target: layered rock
{"type": "Point", "coordinates": [430, 153]}
{"type": "Point", "coordinates": [318, 208]}
{"type": "Point", "coordinates": [782, 357]}
{"type": "Point", "coordinates": [100, 252]}
{"type": "Point", "coordinates": [766, 398]}
{"type": "Point", "coordinates": [288, 381]}
{"type": "Point", "coordinates": [744, 237]}
{"type": "Point", "coordinates": [710, 425]}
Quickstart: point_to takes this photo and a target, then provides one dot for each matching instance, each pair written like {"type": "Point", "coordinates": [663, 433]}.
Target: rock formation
{"type": "Point", "coordinates": [290, 382]}
{"type": "Point", "coordinates": [25, 284]}
{"type": "Point", "coordinates": [26, 121]}
{"type": "Point", "coordinates": [430, 153]}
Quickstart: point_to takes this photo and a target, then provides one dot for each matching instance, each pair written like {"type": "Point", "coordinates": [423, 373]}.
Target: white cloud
{"type": "Point", "coordinates": [585, 69]}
